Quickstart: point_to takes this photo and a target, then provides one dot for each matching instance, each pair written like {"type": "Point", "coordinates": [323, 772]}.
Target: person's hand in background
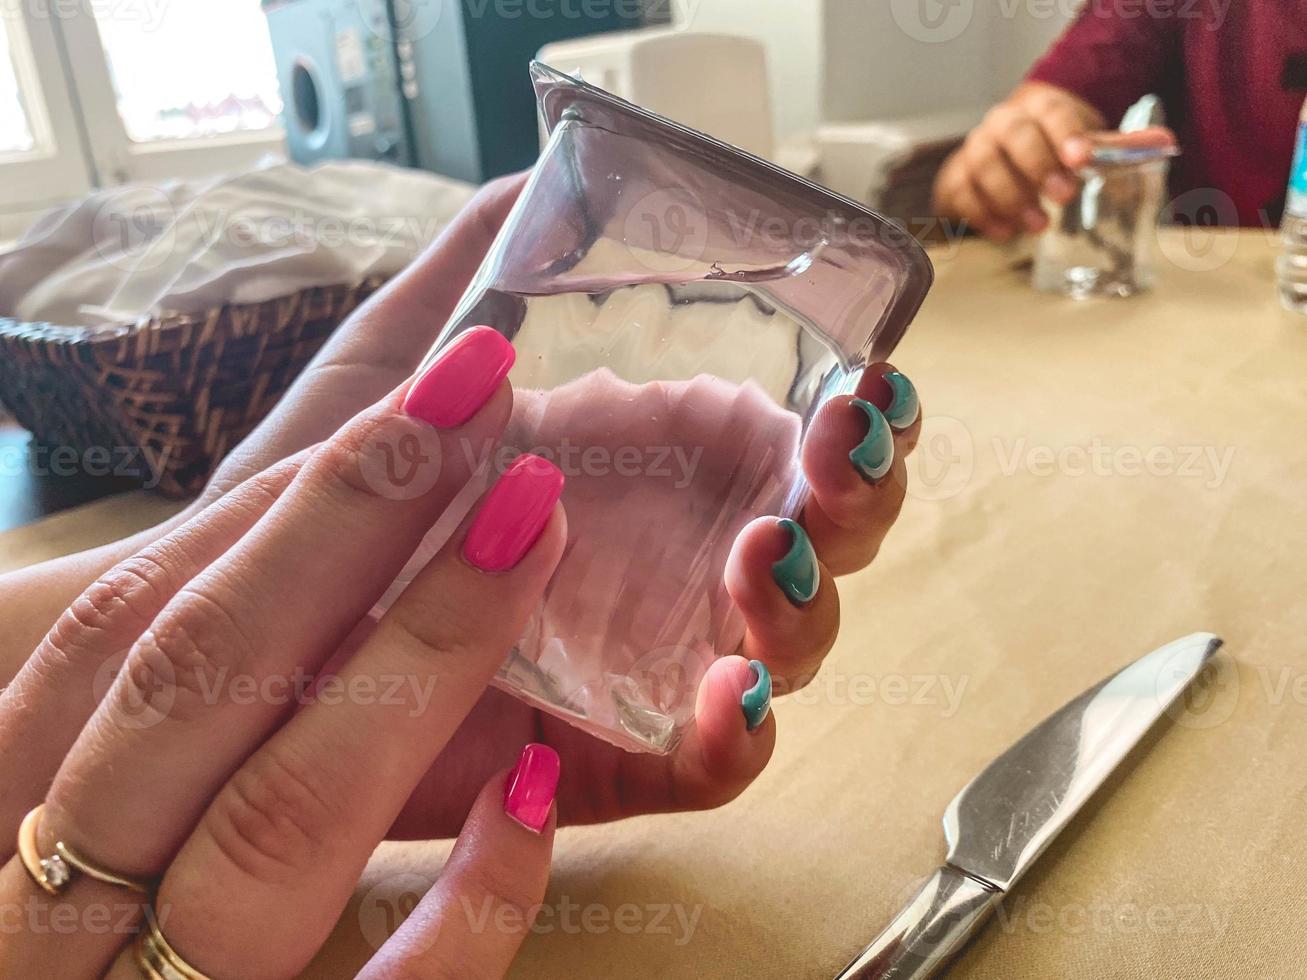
{"type": "Point", "coordinates": [1027, 147]}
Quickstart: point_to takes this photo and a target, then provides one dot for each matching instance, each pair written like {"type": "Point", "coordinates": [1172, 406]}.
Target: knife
{"type": "Point", "coordinates": [1005, 817]}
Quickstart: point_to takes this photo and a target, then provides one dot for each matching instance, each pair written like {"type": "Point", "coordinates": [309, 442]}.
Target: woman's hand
{"type": "Point", "coordinates": [789, 627]}
{"type": "Point", "coordinates": [253, 800]}
{"type": "Point", "coordinates": [846, 521]}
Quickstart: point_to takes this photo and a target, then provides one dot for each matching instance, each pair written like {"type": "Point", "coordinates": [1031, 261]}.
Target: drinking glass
{"type": "Point", "coordinates": [680, 310]}
{"type": "Point", "coordinates": [1101, 242]}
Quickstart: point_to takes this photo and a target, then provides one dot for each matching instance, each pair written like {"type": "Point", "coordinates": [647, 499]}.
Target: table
{"type": "Point", "coordinates": [1094, 479]}
{"type": "Point", "coordinates": [32, 488]}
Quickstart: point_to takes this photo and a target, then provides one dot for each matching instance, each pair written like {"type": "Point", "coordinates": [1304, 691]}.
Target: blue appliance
{"type": "Point", "coordinates": [436, 84]}
{"type": "Point", "coordinates": [339, 80]}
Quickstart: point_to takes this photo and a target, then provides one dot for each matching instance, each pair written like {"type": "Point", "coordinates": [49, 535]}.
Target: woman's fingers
{"type": "Point", "coordinates": [230, 656]}
{"type": "Point", "coordinates": [228, 659]}
{"type": "Point", "coordinates": [733, 735]}
{"type": "Point", "coordinates": [292, 829]}
{"type": "Point", "coordinates": [48, 703]}
{"type": "Point", "coordinates": [790, 603]}
{"type": "Point", "coordinates": [728, 745]}
{"type": "Point", "coordinates": [854, 460]}
{"type": "Point", "coordinates": [473, 921]}
{"type": "Point", "coordinates": [60, 689]}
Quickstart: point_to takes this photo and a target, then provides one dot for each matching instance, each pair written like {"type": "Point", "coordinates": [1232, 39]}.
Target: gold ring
{"type": "Point", "coordinates": [56, 872]}
{"type": "Point", "coordinates": [157, 960]}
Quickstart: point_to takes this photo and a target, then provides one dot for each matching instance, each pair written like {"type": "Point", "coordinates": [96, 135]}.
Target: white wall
{"type": "Point", "coordinates": [888, 58]}
{"type": "Point", "coordinates": [876, 67]}
{"type": "Point", "coordinates": [791, 32]}
{"type": "Point", "coordinates": [869, 59]}
{"type": "Point", "coordinates": [1019, 41]}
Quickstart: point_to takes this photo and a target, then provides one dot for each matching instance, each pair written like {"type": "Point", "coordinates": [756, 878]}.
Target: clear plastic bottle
{"type": "Point", "coordinates": [1291, 269]}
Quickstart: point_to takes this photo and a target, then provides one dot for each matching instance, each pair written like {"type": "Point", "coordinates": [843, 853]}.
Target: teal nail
{"type": "Point", "coordinates": [797, 573]}
{"type": "Point", "coordinates": [756, 701]}
{"type": "Point", "coordinates": [905, 406]}
{"type": "Point", "coordinates": [875, 454]}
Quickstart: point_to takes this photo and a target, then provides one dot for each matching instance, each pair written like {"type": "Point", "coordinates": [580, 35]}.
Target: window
{"type": "Point", "coordinates": [15, 130]}
{"type": "Point", "coordinates": [42, 160]}
{"type": "Point", "coordinates": [193, 68]}
{"type": "Point", "coordinates": [103, 93]}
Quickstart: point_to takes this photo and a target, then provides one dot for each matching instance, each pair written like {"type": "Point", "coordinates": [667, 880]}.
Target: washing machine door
{"type": "Point", "coordinates": [339, 80]}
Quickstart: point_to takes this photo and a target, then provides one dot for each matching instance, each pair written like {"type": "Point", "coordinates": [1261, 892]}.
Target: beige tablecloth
{"type": "Point", "coordinates": [1094, 480]}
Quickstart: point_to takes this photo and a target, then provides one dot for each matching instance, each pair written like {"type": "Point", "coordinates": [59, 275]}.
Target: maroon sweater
{"type": "Point", "coordinates": [1232, 75]}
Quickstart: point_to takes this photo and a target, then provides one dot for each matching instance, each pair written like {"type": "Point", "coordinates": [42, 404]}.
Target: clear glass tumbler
{"type": "Point", "coordinates": [680, 310]}
{"type": "Point", "coordinates": [1101, 243]}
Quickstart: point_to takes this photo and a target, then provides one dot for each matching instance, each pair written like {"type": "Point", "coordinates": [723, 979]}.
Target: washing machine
{"type": "Point", "coordinates": [436, 84]}
{"type": "Point", "coordinates": [340, 80]}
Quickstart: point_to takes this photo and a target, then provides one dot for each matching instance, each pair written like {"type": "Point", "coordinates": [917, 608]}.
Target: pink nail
{"type": "Point", "coordinates": [461, 379]}
{"type": "Point", "coordinates": [529, 792]}
{"type": "Point", "coordinates": [514, 514]}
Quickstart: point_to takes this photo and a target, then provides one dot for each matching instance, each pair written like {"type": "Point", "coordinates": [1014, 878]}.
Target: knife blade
{"type": "Point", "coordinates": [1001, 821]}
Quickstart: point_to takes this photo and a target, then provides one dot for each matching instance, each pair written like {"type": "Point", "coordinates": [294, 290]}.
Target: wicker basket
{"type": "Point", "coordinates": [181, 389]}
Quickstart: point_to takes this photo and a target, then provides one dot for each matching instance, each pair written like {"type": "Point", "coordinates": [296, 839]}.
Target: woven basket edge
{"type": "Point", "coordinates": [43, 332]}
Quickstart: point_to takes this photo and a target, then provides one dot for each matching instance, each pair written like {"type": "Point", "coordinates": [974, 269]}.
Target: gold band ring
{"type": "Point", "coordinates": [157, 960]}
{"type": "Point", "coordinates": [56, 872]}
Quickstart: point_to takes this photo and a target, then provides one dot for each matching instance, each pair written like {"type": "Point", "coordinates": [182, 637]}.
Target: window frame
{"type": "Point", "coordinates": [80, 142]}
{"type": "Point", "coordinates": [117, 158]}
{"type": "Point", "coordinates": [56, 167]}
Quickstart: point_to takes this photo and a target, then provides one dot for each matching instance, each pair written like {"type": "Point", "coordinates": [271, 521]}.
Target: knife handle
{"type": "Point", "coordinates": [929, 932]}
